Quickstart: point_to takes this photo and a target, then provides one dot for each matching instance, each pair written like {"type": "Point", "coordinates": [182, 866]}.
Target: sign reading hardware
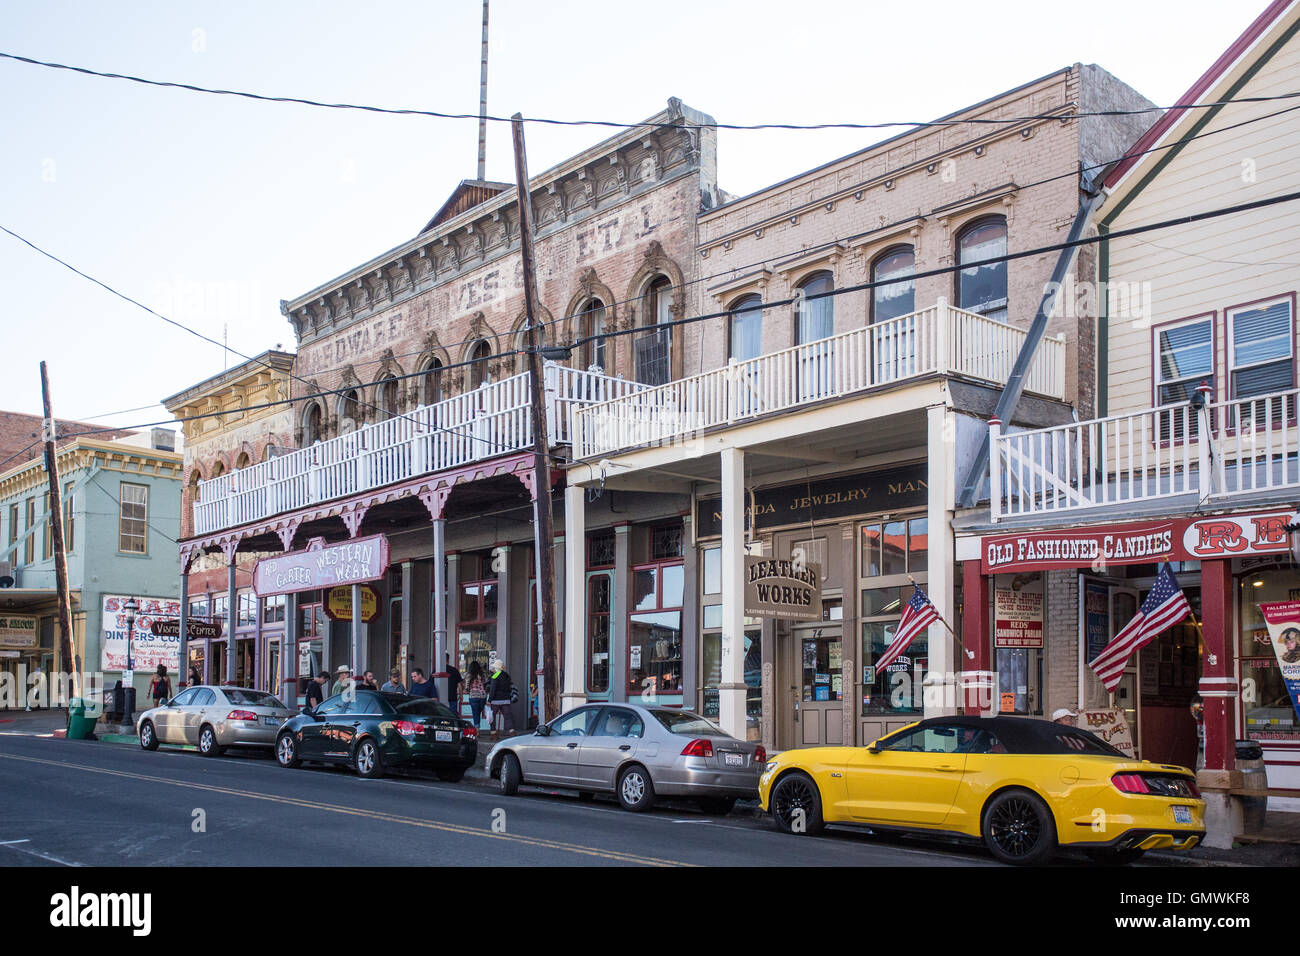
{"type": "Point", "coordinates": [17, 630]}
{"type": "Point", "coordinates": [824, 499]}
{"type": "Point", "coordinates": [782, 589]}
{"type": "Point", "coordinates": [322, 565]}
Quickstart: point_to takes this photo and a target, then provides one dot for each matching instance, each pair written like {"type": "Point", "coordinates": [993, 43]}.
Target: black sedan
{"type": "Point", "coordinates": [374, 731]}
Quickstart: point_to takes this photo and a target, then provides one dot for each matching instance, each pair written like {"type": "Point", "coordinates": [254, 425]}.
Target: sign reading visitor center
{"type": "Point", "coordinates": [322, 565]}
{"type": "Point", "coordinates": [782, 589]}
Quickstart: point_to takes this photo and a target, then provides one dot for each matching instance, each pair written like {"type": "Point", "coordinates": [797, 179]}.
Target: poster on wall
{"type": "Point", "coordinates": [1283, 618]}
{"type": "Point", "coordinates": [148, 650]}
{"type": "Point", "coordinates": [1018, 611]}
{"type": "Point", "coordinates": [1110, 725]}
{"type": "Point", "coordinates": [1096, 617]}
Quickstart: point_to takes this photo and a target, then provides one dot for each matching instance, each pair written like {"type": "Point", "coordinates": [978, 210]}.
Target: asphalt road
{"type": "Point", "coordinates": [72, 802]}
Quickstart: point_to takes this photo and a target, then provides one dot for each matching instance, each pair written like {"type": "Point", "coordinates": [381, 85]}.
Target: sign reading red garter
{"type": "Point", "coordinates": [1181, 539]}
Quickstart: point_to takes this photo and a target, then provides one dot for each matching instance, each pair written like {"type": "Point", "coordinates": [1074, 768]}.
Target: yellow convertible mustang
{"type": "Point", "coordinates": [1023, 786]}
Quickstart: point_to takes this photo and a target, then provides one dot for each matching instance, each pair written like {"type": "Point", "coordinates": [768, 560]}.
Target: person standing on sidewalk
{"type": "Point", "coordinates": [454, 682]}
{"type": "Point", "coordinates": [501, 694]}
{"type": "Point", "coordinates": [476, 691]}
{"type": "Point", "coordinates": [160, 688]}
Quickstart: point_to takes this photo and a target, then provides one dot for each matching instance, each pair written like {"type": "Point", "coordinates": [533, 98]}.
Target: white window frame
{"type": "Point", "coordinates": [1230, 345]}
{"type": "Point", "coordinates": [122, 517]}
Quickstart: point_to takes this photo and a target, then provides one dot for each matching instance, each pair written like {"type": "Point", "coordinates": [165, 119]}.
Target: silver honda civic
{"type": "Point", "coordinates": [635, 751]}
{"type": "Point", "coordinates": [214, 718]}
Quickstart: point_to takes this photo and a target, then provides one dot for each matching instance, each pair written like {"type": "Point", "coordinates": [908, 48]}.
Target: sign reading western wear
{"type": "Point", "coordinates": [322, 565]}
{"type": "Point", "coordinates": [17, 630]}
{"type": "Point", "coordinates": [1183, 539]}
{"type": "Point", "coordinates": [782, 589]}
{"type": "Point", "coordinates": [823, 499]}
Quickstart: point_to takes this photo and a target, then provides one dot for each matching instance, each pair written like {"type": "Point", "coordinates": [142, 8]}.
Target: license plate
{"type": "Point", "coordinates": [270, 721]}
{"type": "Point", "coordinates": [1182, 814]}
{"type": "Point", "coordinates": [442, 736]}
{"type": "Point", "coordinates": [734, 760]}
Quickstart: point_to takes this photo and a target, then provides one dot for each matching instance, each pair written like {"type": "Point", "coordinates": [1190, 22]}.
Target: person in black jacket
{"type": "Point", "coordinates": [316, 690]}
{"type": "Point", "coordinates": [500, 693]}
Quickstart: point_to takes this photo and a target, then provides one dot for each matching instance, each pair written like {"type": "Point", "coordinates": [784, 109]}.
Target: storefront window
{"type": "Point", "coordinates": [889, 552]}
{"type": "Point", "coordinates": [711, 654]}
{"type": "Point", "coordinates": [822, 667]}
{"type": "Point", "coordinates": [894, 547]}
{"type": "Point", "coordinates": [273, 609]}
{"type": "Point", "coordinates": [1267, 710]}
{"type": "Point", "coordinates": [600, 587]}
{"type": "Point", "coordinates": [654, 664]}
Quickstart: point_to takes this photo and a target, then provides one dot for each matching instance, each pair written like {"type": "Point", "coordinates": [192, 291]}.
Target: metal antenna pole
{"type": "Point", "coordinates": [482, 100]}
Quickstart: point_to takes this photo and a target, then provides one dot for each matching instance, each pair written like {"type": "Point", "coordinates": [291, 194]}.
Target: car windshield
{"type": "Point", "coordinates": [418, 706]}
{"type": "Point", "coordinates": [254, 698]}
{"type": "Point", "coordinates": [685, 723]}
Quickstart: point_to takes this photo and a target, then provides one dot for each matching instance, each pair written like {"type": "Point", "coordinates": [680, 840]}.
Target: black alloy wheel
{"type": "Point", "coordinates": [796, 805]}
{"type": "Point", "coordinates": [1019, 829]}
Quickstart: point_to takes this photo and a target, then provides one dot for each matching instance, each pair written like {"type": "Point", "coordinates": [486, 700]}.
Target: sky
{"type": "Point", "coordinates": [210, 210]}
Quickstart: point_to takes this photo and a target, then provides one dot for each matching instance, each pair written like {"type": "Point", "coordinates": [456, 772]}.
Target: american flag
{"type": "Point", "coordinates": [1164, 607]}
{"type": "Point", "coordinates": [917, 616]}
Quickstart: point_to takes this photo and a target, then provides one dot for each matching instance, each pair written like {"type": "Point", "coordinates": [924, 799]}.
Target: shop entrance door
{"type": "Point", "coordinates": [813, 666]}
{"type": "Point", "coordinates": [1123, 608]}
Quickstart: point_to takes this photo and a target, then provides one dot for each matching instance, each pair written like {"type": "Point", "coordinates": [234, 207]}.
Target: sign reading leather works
{"type": "Point", "coordinates": [782, 589]}
{"type": "Point", "coordinates": [1180, 539]}
{"type": "Point", "coordinates": [823, 499]}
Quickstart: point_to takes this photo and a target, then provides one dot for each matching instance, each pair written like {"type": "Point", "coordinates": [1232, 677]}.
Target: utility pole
{"type": "Point", "coordinates": [549, 688]}
{"type": "Point", "coordinates": [56, 525]}
{"type": "Point", "coordinates": [482, 100]}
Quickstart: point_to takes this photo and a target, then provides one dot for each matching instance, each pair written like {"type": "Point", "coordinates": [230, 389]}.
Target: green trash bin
{"type": "Point", "coordinates": [80, 727]}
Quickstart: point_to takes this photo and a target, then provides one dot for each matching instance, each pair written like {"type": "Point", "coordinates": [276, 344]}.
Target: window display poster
{"type": "Point", "coordinates": [1283, 619]}
{"type": "Point", "coordinates": [1018, 611]}
{"type": "Point", "coordinates": [634, 655]}
{"type": "Point", "coordinates": [1111, 726]}
{"type": "Point", "coordinates": [1096, 617]}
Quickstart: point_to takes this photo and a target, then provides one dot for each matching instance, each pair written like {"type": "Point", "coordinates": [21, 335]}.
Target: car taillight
{"type": "Point", "coordinates": [470, 731]}
{"type": "Point", "coordinates": [760, 755]}
{"type": "Point", "coordinates": [1191, 785]}
{"type": "Point", "coordinates": [698, 748]}
{"type": "Point", "coordinates": [241, 715]}
{"type": "Point", "coordinates": [407, 728]}
{"type": "Point", "coordinates": [1130, 783]}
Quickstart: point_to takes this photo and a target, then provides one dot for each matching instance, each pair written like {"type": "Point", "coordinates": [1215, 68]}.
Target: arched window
{"type": "Point", "coordinates": [591, 326]}
{"type": "Point", "coordinates": [218, 470]}
{"type": "Point", "coordinates": [195, 488]}
{"type": "Point", "coordinates": [431, 383]}
{"type": "Point", "coordinates": [386, 399]}
{"type": "Point", "coordinates": [895, 267]}
{"type": "Point", "coordinates": [816, 316]}
{"type": "Point", "coordinates": [311, 425]}
{"type": "Point", "coordinates": [746, 338]}
{"type": "Point", "coordinates": [243, 461]}
{"type": "Point", "coordinates": [983, 288]}
{"type": "Point", "coordinates": [350, 411]}
{"type": "Point", "coordinates": [478, 370]}
{"type": "Point", "coordinates": [654, 348]}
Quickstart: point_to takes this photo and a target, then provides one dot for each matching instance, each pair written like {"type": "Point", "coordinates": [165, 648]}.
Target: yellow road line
{"type": "Point", "coordinates": [614, 855]}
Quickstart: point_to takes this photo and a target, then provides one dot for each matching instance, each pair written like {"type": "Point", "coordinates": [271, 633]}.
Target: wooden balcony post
{"type": "Point", "coordinates": [1205, 469]}
{"type": "Point", "coordinates": [995, 470]}
{"type": "Point", "coordinates": [942, 336]}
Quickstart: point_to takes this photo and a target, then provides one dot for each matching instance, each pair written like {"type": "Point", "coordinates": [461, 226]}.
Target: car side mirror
{"type": "Point", "coordinates": [874, 748]}
{"type": "Point", "coordinates": [164, 702]}
{"type": "Point", "coordinates": [543, 731]}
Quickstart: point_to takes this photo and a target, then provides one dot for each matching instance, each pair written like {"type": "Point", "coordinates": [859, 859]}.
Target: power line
{"type": "Point", "coordinates": [992, 260]}
{"type": "Point", "coordinates": [303, 101]}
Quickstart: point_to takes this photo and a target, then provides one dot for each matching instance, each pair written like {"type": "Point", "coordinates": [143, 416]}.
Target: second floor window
{"type": "Point", "coordinates": [983, 288]}
{"type": "Point", "coordinates": [591, 326]}
{"type": "Point", "coordinates": [1186, 359]}
{"type": "Point", "coordinates": [817, 316]}
{"type": "Point", "coordinates": [747, 328]}
{"type": "Point", "coordinates": [1259, 351]}
{"type": "Point", "coordinates": [311, 426]}
{"type": "Point", "coordinates": [478, 370]}
{"type": "Point", "coordinates": [133, 522]}
{"type": "Point", "coordinates": [29, 546]}
{"type": "Point", "coordinates": [898, 296]}
{"type": "Point", "coordinates": [654, 348]}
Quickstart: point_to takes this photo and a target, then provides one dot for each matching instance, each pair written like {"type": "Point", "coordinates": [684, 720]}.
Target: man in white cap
{"type": "Point", "coordinates": [343, 679]}
{"type": "Point", "coordinates": [1065, 716]}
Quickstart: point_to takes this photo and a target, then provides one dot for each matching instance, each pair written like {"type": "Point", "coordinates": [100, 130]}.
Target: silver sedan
{"type": "Point", "coordinates": [214, 718]}
{"type": "Point", "coordinates": [633, 751]}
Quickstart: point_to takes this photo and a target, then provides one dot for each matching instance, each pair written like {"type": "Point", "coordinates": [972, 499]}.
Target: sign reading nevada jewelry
{"type": "Point", "coordinates": [322, 565]}
{"type": "Point", "coordinates": [782, 589]}
{"type": "Point", "coordinates": [823, 499]}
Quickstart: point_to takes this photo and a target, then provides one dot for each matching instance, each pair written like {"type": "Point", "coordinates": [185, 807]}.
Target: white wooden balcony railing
{"type": "Point", "coordinates": [939, 339]}
{"type": "Point", "coordinates": [490, 421]}
{"type": "Point", "coordinates": [1246, 446]}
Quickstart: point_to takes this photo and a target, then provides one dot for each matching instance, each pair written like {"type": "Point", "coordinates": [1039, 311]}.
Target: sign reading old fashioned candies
{"type": "Point", "coordinates": [782, 589]}
{"type": "Point", "coordinates": [322, 566]}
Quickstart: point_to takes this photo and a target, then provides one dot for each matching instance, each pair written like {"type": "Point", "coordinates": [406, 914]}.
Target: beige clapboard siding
{"type": "Point", "coordinates": [1211, 265]}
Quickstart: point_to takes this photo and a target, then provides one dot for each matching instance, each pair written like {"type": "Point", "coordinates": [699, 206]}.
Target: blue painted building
{"type": "Point", "coordinates": [122, 503]}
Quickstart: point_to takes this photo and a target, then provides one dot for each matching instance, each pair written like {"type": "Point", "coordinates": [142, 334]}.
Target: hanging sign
{"type": "Point", "coordinates": [338, 603]}
{"type": "Point", "coordinates": [194, 630]}
{"type": "Point", "coordinates": [1018, 611]}
{"type": "Point", "coordinates": [322, 565]}
{"type": "Point", "coordinates": [782, 589]}
{"type": "Point", "coordinates": [17, 630]}
{"type": "Point", "coordinates": [1283, 619]}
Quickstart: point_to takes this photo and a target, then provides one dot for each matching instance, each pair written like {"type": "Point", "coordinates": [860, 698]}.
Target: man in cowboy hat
{"type": "Point", "coordinates": [343, 679]}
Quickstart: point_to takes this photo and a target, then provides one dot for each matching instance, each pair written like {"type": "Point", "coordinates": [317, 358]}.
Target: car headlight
{"type": "Point", "coordinates": [769, 766]}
